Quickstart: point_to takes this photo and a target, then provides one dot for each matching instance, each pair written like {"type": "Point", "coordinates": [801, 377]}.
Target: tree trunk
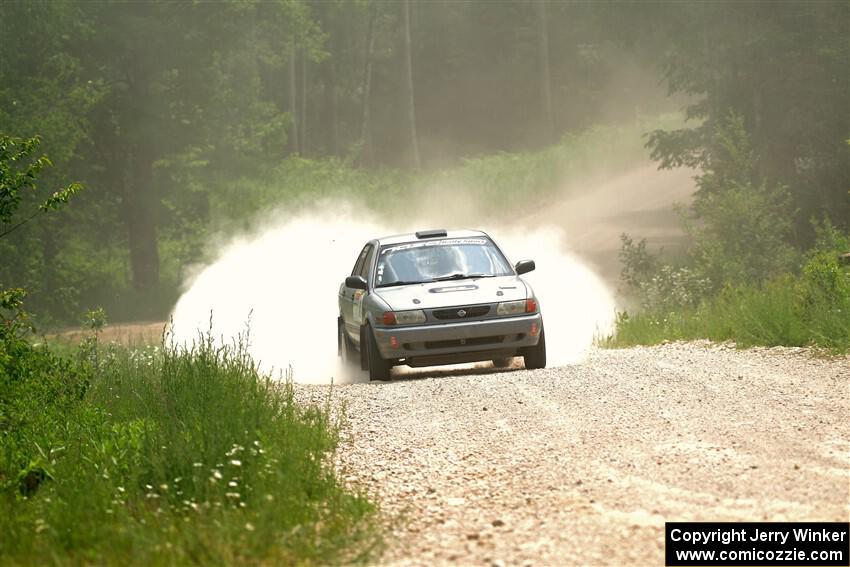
{"type": "Point", "coordinates": [329, 93]}
{"type": "Point", "coordinates": [137, 145]}
{"type": "Point", "coordinates": [303, 103]}
{"type": "Point", "coordinates": [408, 71]}
{"type": "Point", "coordinates": [366, 125]}
{"type": "Point", "coordinates": [327, 118]}
{"type": "Point", "coordinates": [294, 146]}
{"type": "Point", "coordinates": [51, 279]}
{"type": "Point", "coordinates": [546, 118]}
{"type": "Point", "coordinates": [141, 230]}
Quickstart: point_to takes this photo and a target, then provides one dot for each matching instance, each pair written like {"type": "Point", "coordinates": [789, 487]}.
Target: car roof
{"type": "Point", "coordinates": [411, 236]}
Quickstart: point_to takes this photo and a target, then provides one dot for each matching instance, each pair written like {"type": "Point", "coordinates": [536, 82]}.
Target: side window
{"type": "Point", "coordinates": [367, 265]}
{"type": "Point", "coordinates": [360, 261]}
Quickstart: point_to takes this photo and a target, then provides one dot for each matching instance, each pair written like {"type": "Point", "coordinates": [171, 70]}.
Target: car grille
{"type": "Point", "coordinates": [477, 341]}
{"type": "Point", "coordinates": [469, 312]}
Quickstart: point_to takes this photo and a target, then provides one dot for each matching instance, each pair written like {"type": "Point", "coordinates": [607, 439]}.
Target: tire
{"type": "Point", "coordinates": [503, 362]}
{"type": "Point", "coordinates": [379, 369]}
{"type": "Point", "coordinates": [535, 357]}
{"type": "Point", "coordinates": [345, 348]}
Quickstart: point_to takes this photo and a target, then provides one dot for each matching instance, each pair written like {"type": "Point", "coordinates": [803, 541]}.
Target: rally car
{"type": "Point", "coordinates": [437, 297]}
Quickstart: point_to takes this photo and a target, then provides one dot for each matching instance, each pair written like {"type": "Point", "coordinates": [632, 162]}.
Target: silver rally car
{"type": "Point", "coordinates": [437, 297]}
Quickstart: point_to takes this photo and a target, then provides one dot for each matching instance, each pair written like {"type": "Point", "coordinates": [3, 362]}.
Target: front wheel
{"type": "Point", "coordinates": [379, 369]}
{"type": "Point", "coordinates": [535, 357]}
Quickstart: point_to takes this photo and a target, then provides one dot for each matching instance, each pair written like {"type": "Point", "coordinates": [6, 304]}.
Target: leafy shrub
{"type": "Point", "coordinates": [37, 392]}
{"type": "Point", "coordinates": [658, 286]}
{"type": "Point", "coordinates": [171, 455]}
{"type": "Point", "coordinates": [808, 310]}
{"type": "Point", "coordinates": [740, 234]}
{"type": "Point", "coordinates": [741, 279]}
{"type": "Point", "coordinates": [823, 291]}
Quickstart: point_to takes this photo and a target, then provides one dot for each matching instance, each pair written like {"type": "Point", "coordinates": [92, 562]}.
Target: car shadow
{"type": "Point", "coordinates": [406, 373]}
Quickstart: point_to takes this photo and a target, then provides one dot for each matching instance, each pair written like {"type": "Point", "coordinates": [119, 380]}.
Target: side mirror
{"type": "Point", "coordinates": [356, 282]}
{"type": "Point", "coordinates": [524, 266]}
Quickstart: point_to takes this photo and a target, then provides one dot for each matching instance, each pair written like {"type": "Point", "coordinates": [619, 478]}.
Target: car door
{"type": "Point", "coordinates": [358, 300]}
{"type": "Point", "coordinates": [348, 297]}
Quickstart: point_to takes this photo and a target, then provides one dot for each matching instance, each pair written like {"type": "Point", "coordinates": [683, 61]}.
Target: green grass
{"type": "Point", "coordinates": [168, 456]}
{"type": "Point", "coordinates": [809, 307]}
{"type": "Point", "coordinates": [786, 311]}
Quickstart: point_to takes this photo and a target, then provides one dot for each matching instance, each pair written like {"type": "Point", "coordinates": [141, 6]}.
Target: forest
{"type": "Point", "coordinates": [180, 120]}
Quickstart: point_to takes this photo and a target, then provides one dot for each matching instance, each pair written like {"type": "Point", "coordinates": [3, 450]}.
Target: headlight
{"type": "Point", "coordinates": [517, 307]}
{"type": "Point", "coordinates": [511, 307]}
{"type": "Point", "coordinates": [407, 317]}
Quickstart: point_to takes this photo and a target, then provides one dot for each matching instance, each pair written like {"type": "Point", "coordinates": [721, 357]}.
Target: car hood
{"type": "Point", "coordinates": [434, 295]}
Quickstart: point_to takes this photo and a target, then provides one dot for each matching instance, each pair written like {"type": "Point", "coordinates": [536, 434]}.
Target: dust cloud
{"type": "Point", "coordinates": [280, 287]}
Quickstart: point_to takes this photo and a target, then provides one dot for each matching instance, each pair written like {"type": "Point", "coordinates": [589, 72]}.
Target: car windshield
{"type": "Point", "coordinates": [436, 260]}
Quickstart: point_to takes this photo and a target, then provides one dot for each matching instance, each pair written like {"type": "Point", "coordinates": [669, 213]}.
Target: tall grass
{"type": "Point", "coordinates": [174, 456]}
{"type": "Point", "coordinates": [756, 302]}
{"type": "Point", "coordinates": [785, 311]}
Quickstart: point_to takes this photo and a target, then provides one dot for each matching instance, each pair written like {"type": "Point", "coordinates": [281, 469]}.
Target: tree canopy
{"type": "Point", "coordinates": [161, 107]}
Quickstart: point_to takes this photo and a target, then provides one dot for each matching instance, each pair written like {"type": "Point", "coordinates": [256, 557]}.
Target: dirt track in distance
{"type": "Point", "coordinates": [583, 464]}
{"type": "Point", "coordinates": [640, 202]}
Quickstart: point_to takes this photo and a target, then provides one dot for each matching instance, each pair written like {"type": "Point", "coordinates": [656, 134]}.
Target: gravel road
{"type": "Point", "coordinates": [583, 464]}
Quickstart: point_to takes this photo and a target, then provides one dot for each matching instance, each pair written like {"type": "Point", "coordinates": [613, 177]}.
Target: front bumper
{"type": "Point", "coordinates": [424, 345]}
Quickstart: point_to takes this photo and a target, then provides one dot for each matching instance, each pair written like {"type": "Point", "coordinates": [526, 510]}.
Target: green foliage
{"type": "Point", "coordinates": [807, 310]}
{"type": "Point", "coordinates": [37, 389]}
{"type": "Point", "coordinates": [741, 227]}
{"type": "Point", "coordinates": [170, 455]}
{"type": "Point", "coordinates": [567, 166]}
{"type": "Point", "coordinates": [108, 456]}
{"type": "Point", "coordinates": [18, 174]}
{"type": "Point", "coordinates": [498, 182]}
{"type": "Point", "coordinates": [95, 320]}
{"type": "Point", "coordinates": [823, 292]}
{"type": "Point", "coordinates": [739, 279]}
{"type": "Point", "coordinates": [179, 137]}
{"type": "Point", "coordinates": [14, 320]}
{"type": "Point", "coordinates": [297, 182]}
{"type": "Point", "coordinates": [781, 69]}
{"type": "Point", "coordinates": [639, 265]}
{"type": "Point", "coordinates": [740, 234]}
{"type": "Point", "coordinates": [658, 286]}
{"type": "Point", "coordinates": [14, 181]}
{"type": "Point", "coordinates": [19, 171]}
{"type": "Point", "coordinates": [730, 163]}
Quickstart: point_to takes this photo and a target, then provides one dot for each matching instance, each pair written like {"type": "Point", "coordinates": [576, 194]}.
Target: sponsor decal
{"type": "Point", "coordinates": [430, 243]}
